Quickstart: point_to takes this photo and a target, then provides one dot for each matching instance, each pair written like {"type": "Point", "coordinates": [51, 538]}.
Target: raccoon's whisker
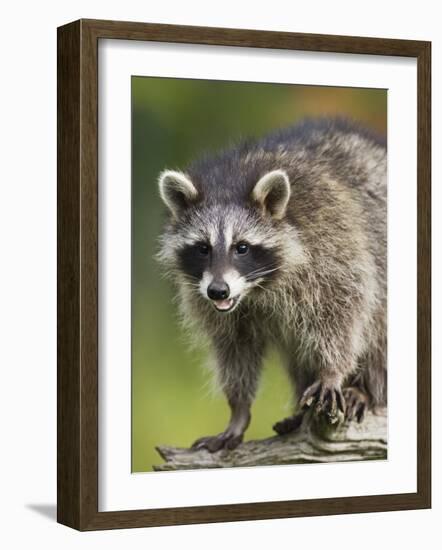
{"type": "Point", "coordinates": [262, 269]}
{"type": "Point", "coordinates": [190, 279]}
{"type": "Point", "coordinates": [259, 285]}
{"type": "Point", "coordinates": [265, 266]}
{"type": "Point", "coordinates": [259, 274]}
{"type": "Point", "coordinates": [190, 284]}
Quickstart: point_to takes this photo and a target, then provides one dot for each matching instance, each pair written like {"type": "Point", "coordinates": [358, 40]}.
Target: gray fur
{"type": "Point", "coordinates": [324, 306]}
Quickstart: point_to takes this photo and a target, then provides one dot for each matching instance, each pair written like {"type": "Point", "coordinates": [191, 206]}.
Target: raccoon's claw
{"type": "Point", "coordinates": [288, 425]}
{"type": "Point", "coordinates": [214, 443]}
{"type": "Point", "coordinates": [356, 404]}
{"type": "Point", "coordinates": [326, 397]}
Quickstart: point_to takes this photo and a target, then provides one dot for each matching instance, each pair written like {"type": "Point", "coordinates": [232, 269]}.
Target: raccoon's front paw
{"type": "Point", "coordinates": [213, 443]}
{"type": "Point", "coordinates": [325, 397]}
{"type": "Point", "coordinates": [356, 404]}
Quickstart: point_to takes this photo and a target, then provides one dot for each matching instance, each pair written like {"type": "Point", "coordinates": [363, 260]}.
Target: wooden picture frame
{"type": "Point", "coordinates": [77, 461]}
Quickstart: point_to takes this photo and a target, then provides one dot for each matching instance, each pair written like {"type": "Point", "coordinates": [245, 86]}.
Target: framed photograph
{"type": "Point", "coordinates": [257, 203]}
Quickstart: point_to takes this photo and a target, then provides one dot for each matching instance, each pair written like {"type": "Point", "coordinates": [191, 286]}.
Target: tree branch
{"type": "Point", "coordinates": [315, 441]}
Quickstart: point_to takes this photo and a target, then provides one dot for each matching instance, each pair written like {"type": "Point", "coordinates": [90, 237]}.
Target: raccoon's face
{"type": "Point", "coordinates": [224, 251]}
{"type": "Point", "coordinates": [226, 257]}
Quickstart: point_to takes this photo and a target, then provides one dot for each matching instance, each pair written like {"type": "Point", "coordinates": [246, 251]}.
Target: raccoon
{"type": "Point", "coordinates": [282, 242]}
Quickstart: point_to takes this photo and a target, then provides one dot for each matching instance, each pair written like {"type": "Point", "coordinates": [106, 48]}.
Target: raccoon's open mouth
{"type": "Point", "coordinates": [225, 305]}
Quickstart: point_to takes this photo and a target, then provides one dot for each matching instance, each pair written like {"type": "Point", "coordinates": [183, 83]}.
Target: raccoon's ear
{"type": "Point", "coordinates": [272, 193]}
{"type": "Point", "coordinates": [177, 191]}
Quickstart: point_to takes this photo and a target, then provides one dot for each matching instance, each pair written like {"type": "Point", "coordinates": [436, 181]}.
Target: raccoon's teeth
{"type": "Point", "coordinates": [223, 305]}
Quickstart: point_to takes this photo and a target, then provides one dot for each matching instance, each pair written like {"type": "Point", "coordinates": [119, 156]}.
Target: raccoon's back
{"type": "Point", "coordinates": [307, 151]}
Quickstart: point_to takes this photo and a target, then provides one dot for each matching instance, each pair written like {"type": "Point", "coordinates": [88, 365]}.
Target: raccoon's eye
{"type": "Point", "coordinates": [203, 249]}
{"type": "Point", "coordinates": [242, 248]}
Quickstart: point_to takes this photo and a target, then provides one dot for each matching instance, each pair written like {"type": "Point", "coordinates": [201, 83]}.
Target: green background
{"type": "Point", "coordinates": [173, 121]}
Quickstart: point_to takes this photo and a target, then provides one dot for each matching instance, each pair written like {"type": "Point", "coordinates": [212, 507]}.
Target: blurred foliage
{"type": "Point", "coordinates": [173, 121]}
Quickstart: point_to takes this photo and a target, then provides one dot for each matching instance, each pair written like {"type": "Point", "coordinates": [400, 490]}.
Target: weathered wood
{"type": "Point", "coordinates": [315, 441]}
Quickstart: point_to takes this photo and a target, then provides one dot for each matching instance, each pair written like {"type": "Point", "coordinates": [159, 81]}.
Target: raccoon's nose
{"type": "Point", "coordinates": [218, 291]}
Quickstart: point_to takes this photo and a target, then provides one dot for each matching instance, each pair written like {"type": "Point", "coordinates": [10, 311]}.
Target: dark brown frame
{"type": "Point", "coordinates": [78, 269]}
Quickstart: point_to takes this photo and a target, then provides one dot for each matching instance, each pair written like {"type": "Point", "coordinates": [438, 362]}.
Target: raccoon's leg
{"type": "Point", "coordinates": [301, 378]}
{"type": "Point", "coordinates": [325, 394]}
{"type": "Point", "coordinates": [233, 435]}
{"type": "Point", "coordinates": [356, 403]}
{"type": "Point", "coordinates": [367, 389]}
{"type": "Point", "coordinates": [239, 366]}
{"type": "Point", "coordinates": [334, 364]}
{"type": "Point", "coordinates": [356, 396]}
{"type": "Point", "coordinates": [289, 424]}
